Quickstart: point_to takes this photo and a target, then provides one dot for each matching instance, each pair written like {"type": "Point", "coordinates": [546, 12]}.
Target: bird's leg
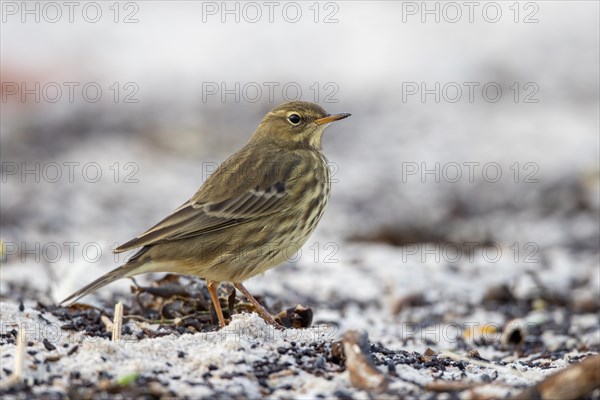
{"type": "Point", "coordinates": [212, 289]}
{"type": "Point", "coordinates": [259, 309]}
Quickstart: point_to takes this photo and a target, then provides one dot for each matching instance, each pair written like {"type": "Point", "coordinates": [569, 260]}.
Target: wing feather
{"type": "Point", "coordinates": [212, 210]}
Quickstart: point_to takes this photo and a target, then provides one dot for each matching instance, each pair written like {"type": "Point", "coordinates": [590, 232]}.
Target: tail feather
{"type": "Point", "coordinates": [104, 280]}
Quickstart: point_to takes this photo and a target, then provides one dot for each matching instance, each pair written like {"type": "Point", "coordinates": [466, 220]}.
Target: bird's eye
{"type": "Point", "coordinates": [294, 119]}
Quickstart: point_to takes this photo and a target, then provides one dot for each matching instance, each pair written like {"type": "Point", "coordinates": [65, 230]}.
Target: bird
{"type": "Point", "coordinates": [251, 214]}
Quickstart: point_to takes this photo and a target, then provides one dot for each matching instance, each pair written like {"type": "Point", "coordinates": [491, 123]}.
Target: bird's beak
{"type": "Point", "coordinates": [331, 118]}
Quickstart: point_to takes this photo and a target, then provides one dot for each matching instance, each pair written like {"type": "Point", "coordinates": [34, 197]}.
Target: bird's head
{"type": "Point", "coordinates": [296, 124]}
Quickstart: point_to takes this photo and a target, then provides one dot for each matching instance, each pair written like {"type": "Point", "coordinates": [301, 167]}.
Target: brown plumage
{"type": "Point", "coordinates": [255, 211]}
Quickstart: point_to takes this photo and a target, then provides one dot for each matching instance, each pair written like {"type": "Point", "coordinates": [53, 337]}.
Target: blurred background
{"type": "Point", "coordinates": [471, 158]}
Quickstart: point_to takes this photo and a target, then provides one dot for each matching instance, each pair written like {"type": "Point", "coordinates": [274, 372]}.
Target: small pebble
{"type": "Point", "coordinates": [49, 346]}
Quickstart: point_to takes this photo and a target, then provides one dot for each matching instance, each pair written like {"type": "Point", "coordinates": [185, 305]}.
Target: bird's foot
{"type": "Point", "coordinates": [269, 319]}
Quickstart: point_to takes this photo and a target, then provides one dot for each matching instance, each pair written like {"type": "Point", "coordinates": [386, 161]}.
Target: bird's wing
{"type": "Point", "coordinates": [242, 189]}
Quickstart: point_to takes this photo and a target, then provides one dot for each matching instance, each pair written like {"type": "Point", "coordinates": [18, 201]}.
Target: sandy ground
{"type": "Point", "coordinates": [448, 220]}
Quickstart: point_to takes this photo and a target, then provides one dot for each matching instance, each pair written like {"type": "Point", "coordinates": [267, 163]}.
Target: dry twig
{"type": "Point", "coordinates": [17, 375]}
{"type": "Point", "coordinates": [363, 374]}
{"type": "Point", "coordinates": [572, 382]}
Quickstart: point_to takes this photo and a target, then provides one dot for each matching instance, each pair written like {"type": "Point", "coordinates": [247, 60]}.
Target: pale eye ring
{"type": "Point", "coordinates": [294, 119]}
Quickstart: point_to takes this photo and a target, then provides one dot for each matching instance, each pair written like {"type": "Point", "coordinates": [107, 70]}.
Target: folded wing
{"type": "Point", "coordinates": [233, 195]}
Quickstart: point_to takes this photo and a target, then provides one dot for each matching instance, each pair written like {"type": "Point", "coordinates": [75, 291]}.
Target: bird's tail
{"type": "Point", "coordinates": [118, 273]}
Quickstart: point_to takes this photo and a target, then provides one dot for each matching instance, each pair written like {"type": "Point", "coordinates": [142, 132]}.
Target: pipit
{"type": "Point", "coordinates": [254, 212]}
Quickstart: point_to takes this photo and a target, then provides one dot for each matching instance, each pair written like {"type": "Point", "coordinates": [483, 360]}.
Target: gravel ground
{"type": "Point", "coordinates": [461, 237]}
